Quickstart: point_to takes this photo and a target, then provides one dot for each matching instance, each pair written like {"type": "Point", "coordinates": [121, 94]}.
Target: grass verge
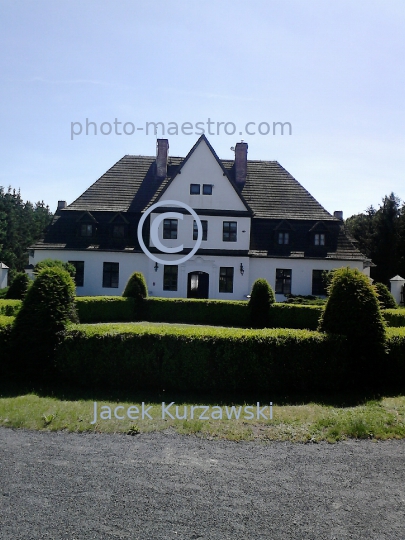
{"type": "Point", "coordinates": [309, 421]}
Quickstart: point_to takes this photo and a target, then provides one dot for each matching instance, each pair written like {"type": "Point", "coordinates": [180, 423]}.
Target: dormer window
{"type": "Point", "coordinates": [86, 229]}
{"type": "Point", "coordinates": [319, 239]}
{"type": "Point", "coordinates": [283, 238]}
{"type": "Point", "coordinates": [194, 189]}
{"type": "Point", "coordinates": [118, 231]}
{"type": "Point", "coordinates": [207, 189]}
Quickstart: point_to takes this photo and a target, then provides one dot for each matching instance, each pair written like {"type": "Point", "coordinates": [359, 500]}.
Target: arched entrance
{"type": "Point", "coordinates": [198, 285]}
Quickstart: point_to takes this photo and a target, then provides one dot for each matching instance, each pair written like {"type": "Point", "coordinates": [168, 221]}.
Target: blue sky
{"type": "Point", "coordinates": [334, 70]}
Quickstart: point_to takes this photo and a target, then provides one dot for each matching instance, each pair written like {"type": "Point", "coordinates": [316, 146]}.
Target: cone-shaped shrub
{"type": "Point", "coordinates": [136, 287]}
{"type": "Point", "coordinates": [261, 298]}
{"type": "Point", "coordinates": [47, 307]}
{"type": "Point", "coordinates": [353, 310]}
{"type": "Point", "coordinates": [387, 301]}
{"type": "Point", "coordinates": [18, 289]}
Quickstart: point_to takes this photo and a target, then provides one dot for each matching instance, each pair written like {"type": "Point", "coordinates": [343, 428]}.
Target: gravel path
{"type": "Point", "coordinates": [166, 486]}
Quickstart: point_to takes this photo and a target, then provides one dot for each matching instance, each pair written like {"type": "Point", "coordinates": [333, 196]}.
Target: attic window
{"type": "Point", "coordinates": [118, 231]}
{"type": "Point", "coordinates": [283, 238]}
{"type": "Point", "coordinates": [194, 189]}
{"type": "Point", "coordinates": [319, 239]}
{"type": "Point", "coordinates": [86, 229]}
{"type": "Point", "coordinates": [207, 189]}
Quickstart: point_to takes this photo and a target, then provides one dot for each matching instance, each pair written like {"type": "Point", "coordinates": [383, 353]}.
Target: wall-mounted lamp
{"type": "Point", "coordinates": [156, 267]}
{"type": "Point", "coordinates": [242, 270]}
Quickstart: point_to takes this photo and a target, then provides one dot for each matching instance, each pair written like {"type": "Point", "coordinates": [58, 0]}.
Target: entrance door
{"type": "Point", "coordinates": [198, 284]}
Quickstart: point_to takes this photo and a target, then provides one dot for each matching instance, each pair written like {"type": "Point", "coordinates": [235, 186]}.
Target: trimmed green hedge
{"type": "Point", "coordinates": [5, 333]}
{"type": "Point", "coordinates": [94, 309]}
{"type": "Point", "coordinates": [194, 311]}
{"type": "Point", "coordinates": [10, 307]}
{"type": "Point", "coordinates": [295, 316]}
{"type": "Point", "coordinates": [394, 317]}
{"type": "Point", "coordinates": [146, 356]}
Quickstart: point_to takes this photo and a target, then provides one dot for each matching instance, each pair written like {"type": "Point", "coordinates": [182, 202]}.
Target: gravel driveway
{"type": "Point", "coordinates": [166, 486]}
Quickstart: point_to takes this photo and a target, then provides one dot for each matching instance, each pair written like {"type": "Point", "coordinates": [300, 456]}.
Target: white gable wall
{"type": "Point", "coordinates": [202, 168]}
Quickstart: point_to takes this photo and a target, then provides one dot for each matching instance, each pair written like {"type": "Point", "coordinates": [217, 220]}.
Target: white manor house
{"type": "Point", "coordinates": [257, 222]}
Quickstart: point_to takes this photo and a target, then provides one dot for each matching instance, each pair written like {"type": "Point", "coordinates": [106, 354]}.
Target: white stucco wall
{"type": "Point", "coordinates": [301, 282]}
{"type": "Point", "coordinates": [301, 271]}
{"type": "Point", "coordinates": [203, 168]}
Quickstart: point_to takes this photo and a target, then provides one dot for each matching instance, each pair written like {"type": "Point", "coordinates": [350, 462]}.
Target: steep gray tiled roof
{"type": "Point", "coordinates": [270, 191]}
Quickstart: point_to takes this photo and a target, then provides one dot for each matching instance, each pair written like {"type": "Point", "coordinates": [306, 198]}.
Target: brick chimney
{"type": "Point", "coordinates": [61, 205]}
{"type": "Point", "coordinates": [162, 149]}
{"type": "Point", "coordinates": [241, 150]}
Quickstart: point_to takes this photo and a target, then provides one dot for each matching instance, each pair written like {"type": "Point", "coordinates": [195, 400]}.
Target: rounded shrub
{"type": "Point", "coordinates": [136, 287]}
{"type": "Point", "coordinates": [353, 310]}
{"type": "Point", "coordinates": [47, 307]}
{"type": "Point", "coordinates": [387, 301]}
{"type": "Point", "coordinates": [19, 287]}
{"type": "Point", "coordinates": [261, 298]}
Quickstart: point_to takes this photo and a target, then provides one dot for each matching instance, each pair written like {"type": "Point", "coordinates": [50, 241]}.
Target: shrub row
{"type": "Point", "coordinates": [10, 307]}
{"type": "Point", "coordinates": [95, 309]}
{"type": "Point", "coordinates": [394, 317]}
{"type": "Point", "coordinates": [206, 359]}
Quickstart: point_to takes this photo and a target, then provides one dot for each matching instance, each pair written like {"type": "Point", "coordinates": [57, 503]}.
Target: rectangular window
{"type": "Point", "coordinates": [318, 283]}
{"type": "Point", "coordinates": [170, 229]}
{"type": "Point", "coordinates": [283, 281]}
{"type": "Point", "coordinates": [79, 277]}
{"type": "Point", "coordinates": [207, 189]}
{"type": "Point", "coordinates": [170, 278]}
{"type": "Point", "coordinates": [319, 239]}
{"type": "Point", "coordinates": [229, 232]}
{"type": "Point", "coordinates": [194, 189]}
{"type": "Point", "coordinates": [118, 231]}
{"type": "Point", "coordinates": [204, 224]}
{"type": "Point", "coordinates": [86, 229]}
{"type": "Point", "coordinates": [283, 238]}
{"type": "Point", "coordinates": [111, 274]}
{"type": "Point", "coordinates": [226, 280]}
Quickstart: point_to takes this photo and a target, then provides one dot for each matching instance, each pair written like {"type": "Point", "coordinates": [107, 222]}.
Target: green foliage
{"type": "Point", "coordinates": [309, 300]}
{"type": "Point", "coordinates": [353, 311]}
{"type": "Point", "coordinates": [55, 263]}
{"type": "Point", "coordinates": [19, 287]}
{"type": "Point", "coordinates": [387, 301]}
{"type": "Point", "coordinates": [231, 313]}
{"type": "Point", "coordinates": [47, 308]}
{"type": "Point", "coordinates": [381, 237]}
{"type": "Point", "coordinates": [3, 292]}
{"type": "Point", "coordinates": [5, 353]}
{"type": "Point", "coordinates": [261, 298]}
{"type": "Point", "coordinates": [197, 311]}
{"type": "Point", "coordinates": [142, 356]}
{"type": "Point", "coordinates": [394, 317]}
{"type": "Point", "coordinates": [295, 316]}
{"type": "Point", "coordinates": [136, 287]}
{"type": "Point", "coordinates": [93, 309]}
{"type": "Point", "coordinates": [21, 225]}
{"type": "Point", "coordinates": [10, 307]}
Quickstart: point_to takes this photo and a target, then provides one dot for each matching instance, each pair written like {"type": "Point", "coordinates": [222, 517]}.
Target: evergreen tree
{"type": "Point", "coordinates": [21, 224]}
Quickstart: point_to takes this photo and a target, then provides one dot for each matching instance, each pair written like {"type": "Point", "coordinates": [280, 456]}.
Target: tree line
{"type": "Point", "coordinates": [380, 235]}
{"type": "Point", "coordinates": [21, 225]}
